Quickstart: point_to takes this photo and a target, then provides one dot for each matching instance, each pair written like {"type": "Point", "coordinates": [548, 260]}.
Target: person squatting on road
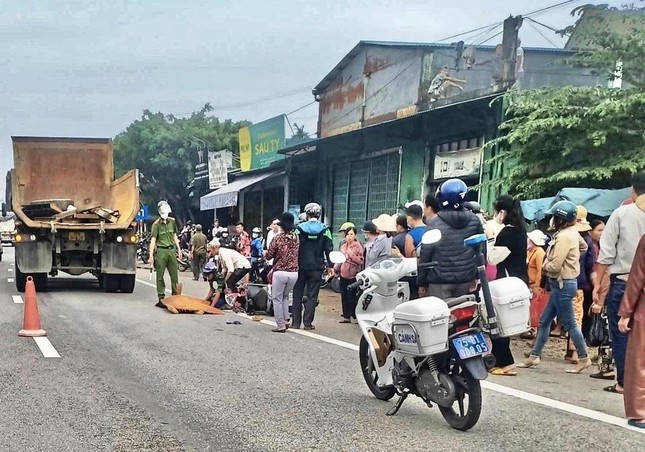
{"type": "Point", "coordinates": [235, 267]}
{"type": "Point", "coordinates": [618, 244]}
{"type": "Point", "coordinates": [198, 244]}
{"type": "Point", "coordinates": [355, 257]}
{"type": "Point", "coordinates": [632, 323]}
{"type": "Point", "coordinates": [214, 296]}
{"type": "Point", "coordinates": [512, 236]}
{"type": "Point", "coordinates": [456, 271]}
{"type": "Point", "coordinates": [164, 251]}
{"type": "Point", "coordinates": [562, 267]}
{"type": "Point", "coordinates": [315, 246]}
{"type": "Point", "coordinates": [284, 252]}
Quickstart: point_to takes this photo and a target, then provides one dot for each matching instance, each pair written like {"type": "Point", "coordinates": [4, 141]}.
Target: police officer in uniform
{"type": "Point", "coordinates": [164, 250]}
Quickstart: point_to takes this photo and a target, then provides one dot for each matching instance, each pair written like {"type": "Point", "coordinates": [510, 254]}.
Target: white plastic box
{"type": "Point", "coordinates": [421, 326]}
{"type": "Point", "coordinates": [512, 301]}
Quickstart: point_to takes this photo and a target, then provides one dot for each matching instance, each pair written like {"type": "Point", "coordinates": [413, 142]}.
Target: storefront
{"type": "Point", "coordinates": [254, 198]}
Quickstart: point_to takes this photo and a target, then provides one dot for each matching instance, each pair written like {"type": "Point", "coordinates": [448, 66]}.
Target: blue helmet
{"type": "Point", "coordinates": [210, 267]}
{"type": "Point", "coordinates": [451, 193]}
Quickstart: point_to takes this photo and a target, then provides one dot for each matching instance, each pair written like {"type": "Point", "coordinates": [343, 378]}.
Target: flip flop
{"type": "Point", "coordinates": [612, 389]}
{"type": "Point", "coordinates": [635, 423]}
{"type": "Point", "coordinates": [504, 371]}
{"type": "Point", "coordinates": [604, 376]}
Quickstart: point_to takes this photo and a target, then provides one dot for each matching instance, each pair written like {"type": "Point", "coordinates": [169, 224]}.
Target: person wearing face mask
{"type": "Point", "coordinates": [164, 251]}
{"type": "Point", "coordinates": [256, 245]}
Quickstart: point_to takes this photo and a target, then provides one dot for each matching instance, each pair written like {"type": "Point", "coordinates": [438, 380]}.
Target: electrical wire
{"type": "Point", "coordinates": [492, 37]}
{"type": "Point", "coordinates": [542, 34]}
{"type": "Point", "coordinates": [544, 25]}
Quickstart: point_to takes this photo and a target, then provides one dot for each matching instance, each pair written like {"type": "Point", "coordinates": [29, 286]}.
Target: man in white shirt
{"type": "Point", "coordinates": [235, 266]}
{"type": "Point", "coordinates": [618, 243]}
{"type": "Point", "coordinates": [519, 64]}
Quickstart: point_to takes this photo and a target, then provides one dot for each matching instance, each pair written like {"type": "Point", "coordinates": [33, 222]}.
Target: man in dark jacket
{"type": "Point", "coordinates": [315, 246]}
{"type": "Point", "coordinates": [456, 269]}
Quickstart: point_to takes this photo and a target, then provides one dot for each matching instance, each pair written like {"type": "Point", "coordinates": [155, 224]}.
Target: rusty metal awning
{"type": "Point", "coordinates": [226, 196]}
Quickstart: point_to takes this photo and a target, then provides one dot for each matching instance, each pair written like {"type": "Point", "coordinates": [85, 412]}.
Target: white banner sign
{"type": "Point", "coordinates": [461, 163]}
{"type": "Point", "coordinates": [217, 169]}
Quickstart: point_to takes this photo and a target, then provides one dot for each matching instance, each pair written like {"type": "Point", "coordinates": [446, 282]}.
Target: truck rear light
{"type": "Point", "coordinates": [133, 239]}
{"type": "Point", "coordinates": [119, 239]}
{"type": "Point", "coordinates": [25, 238]}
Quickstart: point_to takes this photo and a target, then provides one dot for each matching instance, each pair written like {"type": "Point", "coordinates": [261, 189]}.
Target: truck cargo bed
{"type": "Point", "coordinates": [67, 183]}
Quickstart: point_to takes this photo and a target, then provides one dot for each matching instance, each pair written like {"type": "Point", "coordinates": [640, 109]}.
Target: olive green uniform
{"type": "Point", "coordinates": [165, 254]}
{"type": "Point", "coordinates": [198, 242]}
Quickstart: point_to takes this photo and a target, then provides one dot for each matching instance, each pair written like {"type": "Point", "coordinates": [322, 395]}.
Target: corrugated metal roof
{"type": "Point", "coordinates": [433, 45]}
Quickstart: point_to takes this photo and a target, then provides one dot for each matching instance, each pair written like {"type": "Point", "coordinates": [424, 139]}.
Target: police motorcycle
{"type": "Point", "coordinates": [432, 348]}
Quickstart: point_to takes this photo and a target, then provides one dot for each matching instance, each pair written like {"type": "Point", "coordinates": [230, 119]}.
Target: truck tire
{"type": "Point", "coordinates": [40, 281]}
{"type": "Point", "coordinates": [127, 283]}
{"type": "Point", "coordinates": [111, 283]}
{"type": "Point", "coordinates": [21, 280]}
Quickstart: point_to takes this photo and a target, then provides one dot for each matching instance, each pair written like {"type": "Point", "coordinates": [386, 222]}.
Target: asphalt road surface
{"type": "Point", "coordinates": [132, 377]}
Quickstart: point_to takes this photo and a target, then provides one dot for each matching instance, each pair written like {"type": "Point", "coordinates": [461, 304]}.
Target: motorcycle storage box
{"type": "Point", "coordinates": [421, 326]}
{"type": "Point", "coordinates": [512, 300]}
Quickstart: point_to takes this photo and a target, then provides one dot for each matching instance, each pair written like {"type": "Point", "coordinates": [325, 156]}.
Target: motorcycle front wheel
{"type": "Point", "coordinates": [465, 410]}
{"type": "Point", "coordinates": [370, 374]}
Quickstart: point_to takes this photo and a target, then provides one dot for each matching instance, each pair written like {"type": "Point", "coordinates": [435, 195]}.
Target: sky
{"type": "Point", "coordinates": [90, 68]}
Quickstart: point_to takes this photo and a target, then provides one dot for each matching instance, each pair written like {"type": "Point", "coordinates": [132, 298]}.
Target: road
{"type": "Point", "coordinates": [132, 377]}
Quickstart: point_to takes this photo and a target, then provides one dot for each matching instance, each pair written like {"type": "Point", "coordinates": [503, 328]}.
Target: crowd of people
{"type": "Point", "coordinates": [575, 269]}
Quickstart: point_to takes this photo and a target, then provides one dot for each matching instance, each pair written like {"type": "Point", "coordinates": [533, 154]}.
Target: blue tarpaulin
{"type": "Point", "coordinates": [597, 201]}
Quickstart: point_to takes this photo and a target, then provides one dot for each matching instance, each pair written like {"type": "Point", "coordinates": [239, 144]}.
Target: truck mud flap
{"type": "Point", "coordinates": [119, 259]}
{"type": "Point", "coordinates": [34, 257]}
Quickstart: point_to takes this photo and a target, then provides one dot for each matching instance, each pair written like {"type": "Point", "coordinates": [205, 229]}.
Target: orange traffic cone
{"type": "Point", "coordinates": [31, 322]}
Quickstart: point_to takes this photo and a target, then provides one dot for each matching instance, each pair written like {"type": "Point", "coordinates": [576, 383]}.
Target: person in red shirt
{"type": "Point", "coordinates": [243, 240]}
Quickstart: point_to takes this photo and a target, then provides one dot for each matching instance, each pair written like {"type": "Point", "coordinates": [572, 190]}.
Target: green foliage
{"type": "Point", "coordinates": [577, 136]}
{"type": "Point", "coordinates": [165, 150]}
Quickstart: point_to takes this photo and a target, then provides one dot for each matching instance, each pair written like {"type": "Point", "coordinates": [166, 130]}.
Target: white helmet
{"type": "Point", "coordinates": [313, 210]}
{"type": "Point", "coordinates": [164, 209]}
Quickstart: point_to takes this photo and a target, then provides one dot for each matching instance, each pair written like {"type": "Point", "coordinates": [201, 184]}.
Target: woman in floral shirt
{"type": "Point", "coordinates": [284, 252]}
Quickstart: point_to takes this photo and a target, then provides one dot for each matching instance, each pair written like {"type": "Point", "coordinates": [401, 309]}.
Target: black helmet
{"type": "Point", "coordinates": [451, 194]}
{"type": "Point", "coordinates": [565, 210]}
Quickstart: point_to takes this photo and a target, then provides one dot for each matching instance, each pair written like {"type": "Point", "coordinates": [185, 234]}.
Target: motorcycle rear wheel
{"type": "Point", "coordinates": [370, 375]}
{"type": "Point", "coordinates": [468, 391]}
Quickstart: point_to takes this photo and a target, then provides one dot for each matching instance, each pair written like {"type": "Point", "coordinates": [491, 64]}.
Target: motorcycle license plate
{"type": "Point", "coordinates": [470, 345]}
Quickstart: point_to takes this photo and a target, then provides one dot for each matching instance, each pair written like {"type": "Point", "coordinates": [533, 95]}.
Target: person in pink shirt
{"type": "Point", "coordinates": [354, 253]}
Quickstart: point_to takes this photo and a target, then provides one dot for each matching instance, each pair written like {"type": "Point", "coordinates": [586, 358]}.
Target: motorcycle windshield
{"type": "Point", "coordinates": [387, 263]}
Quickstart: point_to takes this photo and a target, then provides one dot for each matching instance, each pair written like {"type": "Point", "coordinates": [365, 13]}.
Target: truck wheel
{"type": "Point", "coordinates": [127, 283]}
{"type": "Point", "coordinates": [111, 283]}
{"type": "Point", "coordinates": [21, 280]}
{"type": "Point", "coordinates": [40, 281]}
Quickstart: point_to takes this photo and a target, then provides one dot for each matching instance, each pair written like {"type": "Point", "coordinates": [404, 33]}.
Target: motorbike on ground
{"type": "Point", "coordinates": [431, 348]}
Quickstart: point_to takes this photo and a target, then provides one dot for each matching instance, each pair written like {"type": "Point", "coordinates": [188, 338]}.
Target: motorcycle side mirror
{"type": "Point", "coordinates": [431, 236]}
{"type": "Point", "coordinates": [336, 257]}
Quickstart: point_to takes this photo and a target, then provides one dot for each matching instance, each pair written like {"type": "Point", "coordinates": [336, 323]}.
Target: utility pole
{"type": "Point", "coordinates": [509, 47]}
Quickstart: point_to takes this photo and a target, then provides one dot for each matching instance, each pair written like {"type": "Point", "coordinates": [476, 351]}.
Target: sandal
{"type": "Point", "coordinates": [530, 334]}
{"type": "Point", "coordinates": [612, 389]}
{"type": "Point", "coordinates": [346, 321]}
{"type": "Point", "coordinates": [508, 371]}
{"type": "Point", "coordinates": [636, 423]}
{"type": "Point", "coordinates": [611, 375]}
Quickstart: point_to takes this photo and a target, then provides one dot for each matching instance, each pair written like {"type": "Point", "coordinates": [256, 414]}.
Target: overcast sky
{"type": "Point", "coordinates": [89, 68]}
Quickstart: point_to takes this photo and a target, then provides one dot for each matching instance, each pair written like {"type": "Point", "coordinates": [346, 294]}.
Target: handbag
{"type": "Point", "coordinates": [598, 334]}
{"type": "Point", "coordinates": [538, 303]}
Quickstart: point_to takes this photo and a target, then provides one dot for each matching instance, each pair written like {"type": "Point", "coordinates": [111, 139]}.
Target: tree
{"type": "Point", "coordinates": [581, 136]}
{"type": "Point", "coordinates": [298, 136]}
{"type": "Point", "coordinates": [166, 149]}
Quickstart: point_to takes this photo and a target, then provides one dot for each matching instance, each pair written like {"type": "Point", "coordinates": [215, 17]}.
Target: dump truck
{"type": "Point", "coordinates": [71, 214]}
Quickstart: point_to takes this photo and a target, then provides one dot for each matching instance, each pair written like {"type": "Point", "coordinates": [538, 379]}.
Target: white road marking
{"type": "Point", "coordinates": [9, 279]}
{"type": "Point", "coordinates": [17, 299]}
{"type": "Point", "coordinates": [10, 269]}
{"type": "Point", "coordinates": [523, 395]}
{"type": "Point", "coordinates": [149, 284]}
{"type": "Point", "coordinates": [46, 347]}
{"type": "Point", "coordinates": [544, 401]}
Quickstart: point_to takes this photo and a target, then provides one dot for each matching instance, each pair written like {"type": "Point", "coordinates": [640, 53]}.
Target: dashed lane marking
{"type": "Point", "coordinates": [17, 299]}
{"type": "Point", "coordinates": [10, 280]}
{"type": "Point", "coordinates": [9, 269]}
{"type": "Point", "coordinates": [46, 347]}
